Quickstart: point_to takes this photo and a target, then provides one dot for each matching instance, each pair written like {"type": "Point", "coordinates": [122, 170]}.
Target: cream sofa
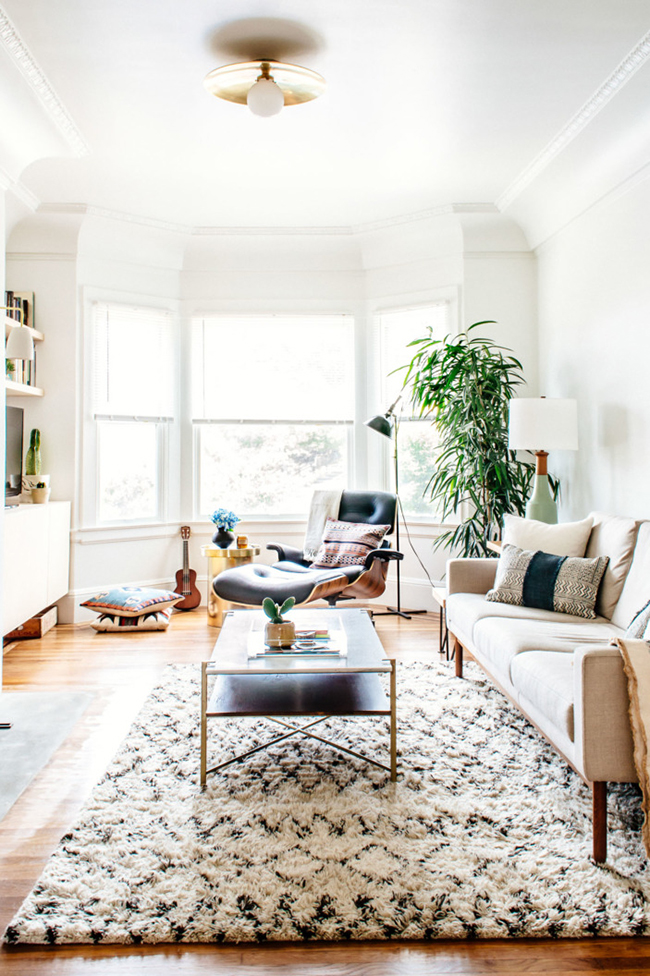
{"type": "Point", "coordinates": [561, 671]}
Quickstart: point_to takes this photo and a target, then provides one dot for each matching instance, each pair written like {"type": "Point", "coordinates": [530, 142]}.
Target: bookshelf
{"type": "Point", "coordinates": [22, 381]}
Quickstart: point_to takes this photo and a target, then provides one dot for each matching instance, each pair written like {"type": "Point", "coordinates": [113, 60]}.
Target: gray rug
{"type": "Point", "coordinates": [40, 722]}
{"type": "Point", "coordinates": [487, 833]}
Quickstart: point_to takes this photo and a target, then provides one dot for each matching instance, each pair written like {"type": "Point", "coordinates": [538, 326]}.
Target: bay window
{"type": "Point", "coordinates": [272, 409]}
{"type": "Point", "coordinates": [133, 405]}
{"type": "Point", "coordinates": [417, 439]}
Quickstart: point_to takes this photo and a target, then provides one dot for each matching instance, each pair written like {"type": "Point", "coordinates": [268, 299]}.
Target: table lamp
{"type": "Point", "coordinates": [540, 424]}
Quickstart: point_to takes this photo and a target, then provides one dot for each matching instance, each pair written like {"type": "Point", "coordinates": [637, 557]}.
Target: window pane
{"type": "Point", "coordinates": [417, 444]}
{"type": "Point", "coordinates": [134, 370]}
{"type": "Point", "coordinates": [397, 330]}
{"type": "Point", "coordinates": [269, 469]}
{"type": "Point", "coordinates": [128, 471]}
{"type": "Point", "coordinates": [273, 368]}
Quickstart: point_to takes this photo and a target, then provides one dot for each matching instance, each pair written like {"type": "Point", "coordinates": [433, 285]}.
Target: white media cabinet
{"type": "Point", "coordinates": [36, 560]}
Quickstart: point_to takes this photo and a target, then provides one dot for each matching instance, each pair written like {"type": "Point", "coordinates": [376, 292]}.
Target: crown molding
{"type": "Point", "coordinates": [271, 231]}
{"type": "Point", "coordinates": [85, 209]}
{"type": "Point", "coordinates": [449, 208]}
{"type": "Point", "coordinates": [591, 108]}
{"type": "Point", "coordinates": [25, 62]}
{"type": "Point", "coordinates": [206, 231]}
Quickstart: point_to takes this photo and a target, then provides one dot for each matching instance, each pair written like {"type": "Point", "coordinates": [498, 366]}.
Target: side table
{"type": "Point", "coordinates": [218, 561]}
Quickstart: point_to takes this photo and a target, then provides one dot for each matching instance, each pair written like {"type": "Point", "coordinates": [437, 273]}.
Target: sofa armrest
{"type": "Point", "coordinates": [603, 736]}
{"type": "Point", "coordinates": [470, 575]}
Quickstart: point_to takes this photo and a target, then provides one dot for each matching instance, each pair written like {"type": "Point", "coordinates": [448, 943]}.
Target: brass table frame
{"type": "Point", "coordinates": [220, 560]}
{"type": "Point", "coordinates": [231, 673]}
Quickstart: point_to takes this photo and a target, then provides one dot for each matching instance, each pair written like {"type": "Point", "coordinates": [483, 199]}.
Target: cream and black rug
{"type": "Point", "coordinates": [487, 834]}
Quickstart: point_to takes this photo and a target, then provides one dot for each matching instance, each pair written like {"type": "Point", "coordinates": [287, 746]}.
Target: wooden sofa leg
{"type": "Point", "coordinates": [599, 806]}
{"type": "Point", "coordinates": [458, 657]}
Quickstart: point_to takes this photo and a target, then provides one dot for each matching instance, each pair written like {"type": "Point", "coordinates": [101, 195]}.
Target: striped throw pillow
{"type": "Point", "coordinates": [566, 584]}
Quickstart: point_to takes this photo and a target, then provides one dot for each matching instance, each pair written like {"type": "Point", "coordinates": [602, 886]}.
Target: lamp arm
{"type": "Point", "coordinates": [391, 410]}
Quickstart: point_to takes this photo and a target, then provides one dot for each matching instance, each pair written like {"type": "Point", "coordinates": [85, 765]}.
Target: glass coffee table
{"type": "Point", "coordinates": [334, 675]}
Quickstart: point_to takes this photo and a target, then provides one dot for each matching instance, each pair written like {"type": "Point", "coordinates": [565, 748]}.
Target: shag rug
{"type": "Point", "coordinates": [487, 833]}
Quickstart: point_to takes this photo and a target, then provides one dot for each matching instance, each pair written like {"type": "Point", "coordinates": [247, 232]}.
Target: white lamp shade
{"type": "Point", "coordinates": [20, 344]}
{"type": "Point", "coordinates": [265, 98]}
{"type": "Point", "coordinates": [543, 424]}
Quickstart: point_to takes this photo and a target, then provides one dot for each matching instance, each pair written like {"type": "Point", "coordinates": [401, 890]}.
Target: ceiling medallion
{"type": "Point", "coordinates": [265, 86]}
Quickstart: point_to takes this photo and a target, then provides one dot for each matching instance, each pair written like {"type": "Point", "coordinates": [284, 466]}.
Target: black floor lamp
{"type": "Point", "coordinates": [387, 424]}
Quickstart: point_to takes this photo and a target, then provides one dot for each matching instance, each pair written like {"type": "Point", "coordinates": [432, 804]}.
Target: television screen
{"type": "Point", "coordinates": [13, 455]}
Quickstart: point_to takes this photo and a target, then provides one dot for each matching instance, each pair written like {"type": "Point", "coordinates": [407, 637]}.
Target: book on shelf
{"type": "Point", "coordinates": [20, 306]}
{"type": "Point", "coordinates": [24, 372]}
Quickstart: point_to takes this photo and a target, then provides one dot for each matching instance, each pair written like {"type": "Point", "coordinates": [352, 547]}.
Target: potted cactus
{"type": "Point", "coordinates": [33, 475]}
{"type": "Point", "coordinates": [279, 632]}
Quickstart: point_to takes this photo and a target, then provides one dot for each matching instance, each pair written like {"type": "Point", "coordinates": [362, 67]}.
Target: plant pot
{"type": "Point", "coordinates": [281, 636]}
{"type": "Point", "coordinates": [39, 495]}
{"type": "Point", "coordinates": [222, 538]}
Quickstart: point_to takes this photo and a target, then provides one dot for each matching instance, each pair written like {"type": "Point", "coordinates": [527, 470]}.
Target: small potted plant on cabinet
{"type": "Point", "coordinates": [33, 476]}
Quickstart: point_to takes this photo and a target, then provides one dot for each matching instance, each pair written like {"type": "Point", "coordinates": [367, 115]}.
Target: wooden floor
{"type": "Point", "coordinates": [120, 670]}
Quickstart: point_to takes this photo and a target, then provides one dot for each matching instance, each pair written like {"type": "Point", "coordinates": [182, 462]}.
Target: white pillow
{"type": "Point", "coordinates": [563, 539]}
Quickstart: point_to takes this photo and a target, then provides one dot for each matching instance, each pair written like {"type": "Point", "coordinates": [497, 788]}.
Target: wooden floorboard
{"type": "Point", "coordinates": [120, 671]}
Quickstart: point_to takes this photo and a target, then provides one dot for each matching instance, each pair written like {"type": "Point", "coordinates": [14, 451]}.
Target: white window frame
{"type": "Point", "coordinates": [382, 448]}
{"type": "Point", "coordinates": [168, 427]}
{"type": "Point", "coordinates": [198, 423]}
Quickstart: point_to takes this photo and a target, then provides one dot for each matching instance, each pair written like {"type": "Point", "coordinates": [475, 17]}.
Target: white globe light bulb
{"type": "Point", "coordinates": [265, 98]}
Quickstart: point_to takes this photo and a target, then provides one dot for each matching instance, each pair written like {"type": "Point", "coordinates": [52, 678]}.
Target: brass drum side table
{"type": "Point", "coordinates": [218, 561]}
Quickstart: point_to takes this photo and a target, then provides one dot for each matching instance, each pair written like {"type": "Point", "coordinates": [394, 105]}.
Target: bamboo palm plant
{"type": "Point", "coordinates": [464, 384]}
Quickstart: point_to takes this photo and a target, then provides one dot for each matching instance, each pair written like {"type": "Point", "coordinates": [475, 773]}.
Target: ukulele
{"type": "Point", "coordinates": [186, 577]}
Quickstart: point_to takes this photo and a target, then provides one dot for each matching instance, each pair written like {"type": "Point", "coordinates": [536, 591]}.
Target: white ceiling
{"type": "Point", "coordinates": [428, 102]}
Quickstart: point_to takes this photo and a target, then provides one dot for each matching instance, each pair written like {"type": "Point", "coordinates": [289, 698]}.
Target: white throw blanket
{"type": "Point", "coordinates": [323, 503]}
{"type": "Point", "coordinates": [636, 663]}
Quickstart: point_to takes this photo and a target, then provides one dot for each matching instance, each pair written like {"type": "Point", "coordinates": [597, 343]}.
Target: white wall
{"type": "Point", "coordinates": [594, 345]}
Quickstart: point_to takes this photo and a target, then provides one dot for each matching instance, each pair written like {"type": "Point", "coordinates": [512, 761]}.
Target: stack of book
{"type": "Point", "coordinates": [20, 306]}
{"type": "Point", "coordinates": [308, 642]}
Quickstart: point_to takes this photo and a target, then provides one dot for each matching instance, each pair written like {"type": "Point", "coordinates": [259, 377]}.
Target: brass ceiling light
{"type": "Point", "coordinates": [265, 86]}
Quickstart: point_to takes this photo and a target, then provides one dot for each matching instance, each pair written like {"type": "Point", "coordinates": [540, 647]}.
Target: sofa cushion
{"type": "Point", "coordinates": [636, 588]}
{"type": "Point", "coordinates": [545, 679]}
{"type": "Point", "coordinates": [615, 537]}
{"type": "Point", "coordinates": [541, 635]}
{"type": "Point", "coordinates": [465, 609]}
{"type": "Point", "coordinates": [565, 584]}
{"type": "Point", "coordinates": [563, 539]}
